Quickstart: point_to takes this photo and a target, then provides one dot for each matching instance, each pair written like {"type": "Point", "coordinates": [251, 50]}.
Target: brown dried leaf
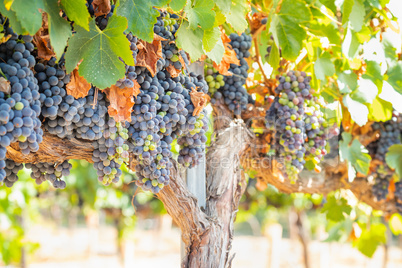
{"type": "Point", "coordinates": [101, 7]}
{"type": "Point", "coordinates": [5, 85]}
{"type": "Point", "coordinates": [228, 57]}
{"type": "Point", "coordinates": [148, 54]}
{"type": "Point", "coordinates": [199, 100]}
{"type": "Point", "coordinates": [78, 86]}
{"type": "Point", "coordinates": [122, 101]}
{"type": "Point", "coordinates": [42, 40]}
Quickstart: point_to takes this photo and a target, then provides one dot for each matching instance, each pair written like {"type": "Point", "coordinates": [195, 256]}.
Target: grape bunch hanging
{"type": "Point", "coordinates": [230, 88]}
{"type": "Point", "coordinates": [163, 112]}
{"type": "Point", "coordinates": [301, 130]}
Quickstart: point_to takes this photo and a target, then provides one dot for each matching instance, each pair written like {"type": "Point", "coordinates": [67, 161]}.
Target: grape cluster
{"type": "Point", "coordinates": [301, 131]}
{"type": "Point", "coordinates": [214, 79]}
{"type": "Point", "coordinates": [390, 134]}
{"type": "Point", "coordinates": [11, 170]}
{"type": "Point", "coordinates": [162, 113]}
{"type": "Point", "coordinates": [52, 172]}
{"type": "Point", "coordinates": [233, 92]}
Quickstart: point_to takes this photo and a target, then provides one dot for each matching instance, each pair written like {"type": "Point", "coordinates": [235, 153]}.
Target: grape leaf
{"type": "Point", "coordinates": [78, 87]}
{"type": "Point", "coordinates": [365, 92]}
{"type": "Point", "coordinates": [59, 28]}
{"type": "Point", "coordinates": [347, 81]}
{"type": "Point", "coordinates": [177, 5]}
{"type": "Point", "coordinates": [101, 7]}
{"type": "Point", "coordinates": [357, 110]}
{"type": "Point", "coordinates": [346, 10]}
{"type": "Point", "coordinates": [199, 100]}
{"type": "Point", "coordinates": [324, 67]}
{"type": "Point", "coordinates": [373, 72]}
{"type": "Point", "coordinates": [122, 101]}
{"type": "Point", "coordinates": [295, 10]}
{"type": "Point", "coordinates": [229, 57]}
{"type": "Point", "coordinates": [350, 44]}
{"type": "Point", "coordinates": [150, 53]}
{"type": "Point", "coordinates": [274, 57]}
{"type": "Point", "coordinates": [224, 6]}
{"type": "Point", "coordinates": [190, 40]}
{"type": "Point", "coordinates": [200, 14]}
{"type": "Point", "coordinates": [14, 22]}
{"type": "Point", "coordinates": [217, 52]}
{"type": "Point", "coordinates": [394, 76]}
{"type": "Point", "coordinates": [27, 12]}
{"type": "Point", "coordinates": [77, 11]}
{"type": "Point", "coordinates": [141, 16]}
{"type": "Point", "coordinates": [380, 110]}
{"type": "Point", "coordinates": [389, 94]}
{"type": "Point", "coordinates": [237, 15]}
{"type": "Point", "coordinates": [336, 209]}
{"type": "Point", "coordinates": [288, 34]}
{"type": "Point", "coordinates": [395, 224]}
{"type": "Point", "coordinates": [370, 239]}
{"type": "Point", "coordinates": [100, 52]}
{"type": "Point", "coordinates": [394, 158]}
{"type": "Point", "coordinates": [211, 38]}
{"type": "Point", "coordinates": [355, 154]}
{"type": "Point", "coordinates": [329, 4]}
{"type": "Point", "coordinates": [43, 47]}
{"type": "Point", "coordinates": [356, 17]}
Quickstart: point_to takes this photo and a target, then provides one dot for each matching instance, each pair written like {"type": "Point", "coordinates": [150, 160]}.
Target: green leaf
{"type": "Point", "coordinates": [373, 72]}
{"type": "Point", "coordinates": [394, 158]}
{"type": "Point", "coordinates": [59, 28]}
{"type": "Point", "coordinates": [347, 81]}
{"type": "Point", "coordinates": [380, 110]}
{"type": "Point", "coordinates": [14, 22]}
{"type": "Point", "coordinates": [141, 16]}
{"type": "Point", "coordinates": [27, 12]}
{"type": "Point", "coordinates": [357, 15]}
{"type": "Point", "coordinates": [200, 14]}
{"type": "Point", "coordinates": [177, 5]}
{"type": "Point", "coordinates": [237, 15]}
{"type": "Point", "coordinates": [395, 224]}
{"type": "Point", "coordinates": [324, 67]}
{"type": "Point", "coordinates": [224, 6]}
{"type": "Point", "coordinates": [357, 110]}
{"type": "Point", "coordinates": [356, 154]}
{"type": "Point", "coordinates": [190, 40]}
{"type": "Point", "coordinates": [351, 44]}
{"type": "Point", "coordinates": [295, 10]}
{"type": "Point", "coordinates": [274, 57]}
{"type": "Point", "coordinates": [100, 52]}
{"type": "Point", "coordinates": [346, 10]}
{"type": "Point", "coordinates": [336, 208]}
{"type": "Point", "coordinates": [394, 76]}
{"type": "Point", "coordinates": [389, 94]}
{"type": "Point", "coordinates": [217, 52]}
{"type": "Point", "coordinates": [370, 239]}
{"type": "Point", "coordinates": [288, 36]}
{"type": "Point", "coordinates": [77, 11]}
{"type": "Point", "coordinates": [330, 4]}
{"type": "Point", "coordinates": [366, 91]}
{"type": "Point", "coordinates": [286, 30]}
{"type": "Point", "coordinates": [211, 38]}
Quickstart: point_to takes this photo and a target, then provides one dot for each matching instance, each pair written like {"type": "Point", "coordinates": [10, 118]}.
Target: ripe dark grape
{"type": "Point", "coordinates": [232, 91]}
{"type": "Point", "coordinates": [301, 131]}
{"type": "Point", "coordinates": [52, 172]}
